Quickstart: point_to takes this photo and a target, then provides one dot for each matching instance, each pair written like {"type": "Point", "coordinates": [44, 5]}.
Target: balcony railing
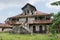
{"type": "Point", "coordinates": [42, 21]}
{"type": "Point", "coordinates": [33, 21]}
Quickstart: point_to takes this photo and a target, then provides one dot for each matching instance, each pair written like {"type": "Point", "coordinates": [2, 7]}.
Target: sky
{"type": "Point", "coordinates": [9, 8]}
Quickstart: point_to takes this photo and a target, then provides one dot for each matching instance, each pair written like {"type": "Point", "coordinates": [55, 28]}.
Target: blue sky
{"type": "Point", "coordinates": [10, 8]}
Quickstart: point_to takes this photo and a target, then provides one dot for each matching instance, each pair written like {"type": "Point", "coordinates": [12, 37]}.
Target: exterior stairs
{"type": "Point", "coordinates": [23, 28]}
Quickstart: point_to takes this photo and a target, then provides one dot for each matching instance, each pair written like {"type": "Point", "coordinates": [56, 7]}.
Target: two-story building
{"type": "Point", "coordinates": [38, 21]}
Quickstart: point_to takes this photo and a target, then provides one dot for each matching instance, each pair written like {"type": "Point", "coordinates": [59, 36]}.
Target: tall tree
{"type": "Point", "coordinates": [55, 21]}
{"type": "Point", "coordinates": [56, 17]}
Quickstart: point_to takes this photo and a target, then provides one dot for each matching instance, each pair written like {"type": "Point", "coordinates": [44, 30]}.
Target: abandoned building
{"type": "Point", "coordinates": [30, 20]}
{"type": "Point", "coordinates": [5, 27]}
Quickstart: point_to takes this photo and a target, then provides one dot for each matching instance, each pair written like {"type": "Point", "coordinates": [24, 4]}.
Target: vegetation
{"type": "Point", "coordinates": [56, 19]}
{"type": "Point", "coordinates": [56, 3]}
{"type": "Point", "coordinates": [7, 36]}
{"type": "Point", "coordinates": [55, 22]}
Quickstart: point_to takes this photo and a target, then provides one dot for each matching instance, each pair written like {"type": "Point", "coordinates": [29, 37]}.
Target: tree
{"type": "Point", "coordinates": [55, 22]}
{"type": "Point", "coordinates": [56, 19]}
{"type": "Point", "coordinates": [57, 3]}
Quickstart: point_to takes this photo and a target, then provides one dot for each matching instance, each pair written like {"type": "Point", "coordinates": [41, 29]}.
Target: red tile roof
{"type": "Point", "coordinates": [4, 25]}
{"type": "Point", "coordinates": [37, 13]}
{"type": "Point", "coordinates": [40, 13]}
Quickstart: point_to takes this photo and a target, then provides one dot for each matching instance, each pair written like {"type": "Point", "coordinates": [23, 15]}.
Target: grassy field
{"type": "Point", "coordinates": [7, 36]}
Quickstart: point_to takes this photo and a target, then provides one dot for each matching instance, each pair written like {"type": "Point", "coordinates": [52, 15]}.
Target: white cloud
{"type": "Point", "coordinates": [33, 1]}
{"type": "Point", "coordinates": [2, 18]}
{"type": "Point", "coordinates": [3, 5]}
{"type": "Point", "coordinates": [15, 3]}
{"type": "Point", "coordinates": [53, 0]}
{"type": "Point", "coordinates": [11, 3]}
{"type": "Point", "coordinates": [11, 13]}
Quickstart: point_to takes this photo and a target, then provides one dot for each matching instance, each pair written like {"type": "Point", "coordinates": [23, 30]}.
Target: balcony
{"type": "Point", "coordinates": [32, 22]}
{"type": "Point", "coordinates": [42, 21]}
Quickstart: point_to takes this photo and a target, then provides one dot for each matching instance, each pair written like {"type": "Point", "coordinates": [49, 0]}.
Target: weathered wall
{"type": "Point", "coordinates": [0, 29]}
{"type": "Point", "coordinates": [7, 30]}
{"type": "Point", "coordinates": [21, 20]}
{"type": "Point", "coordinates": [30, 9]}
{"type": "Point", "coordinates": [44, 27]}
{"type": "Point", "coordinates": [30, 20]}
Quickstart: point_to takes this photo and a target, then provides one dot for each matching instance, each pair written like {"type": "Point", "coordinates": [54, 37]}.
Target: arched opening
{"type": "Point", "coordinates": [34, 29]}
{"type": "Point", "coordinates": [40, 29]}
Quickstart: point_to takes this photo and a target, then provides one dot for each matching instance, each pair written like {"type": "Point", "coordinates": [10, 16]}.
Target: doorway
{"type": "Point", "coordinates": [34, 29]}
{"type": "Point", "coordinates": [40, 29]}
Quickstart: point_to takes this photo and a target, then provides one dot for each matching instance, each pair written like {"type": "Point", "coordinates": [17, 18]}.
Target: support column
{"type": "Point", "coordinates": [0, 29]}
{"type": "Point", "coordinates": [47, 28]}
{"type": "Point", "coordinates": [43, 28]}
{"type": "Point", "coordinates": [31, 28]}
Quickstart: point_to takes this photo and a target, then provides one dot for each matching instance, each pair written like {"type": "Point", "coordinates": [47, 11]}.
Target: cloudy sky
{"type": "Point", "coordinates": [10, 8]}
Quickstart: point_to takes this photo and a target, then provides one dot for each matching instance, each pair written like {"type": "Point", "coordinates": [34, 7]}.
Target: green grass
{"type": "Point", "coordinates": [7, 36]}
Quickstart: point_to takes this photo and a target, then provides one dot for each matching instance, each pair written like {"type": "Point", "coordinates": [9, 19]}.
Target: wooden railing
{"type": "Point", "coordinates": [33, 21]}
{"type": "Point", "coordinates": [42, 21]}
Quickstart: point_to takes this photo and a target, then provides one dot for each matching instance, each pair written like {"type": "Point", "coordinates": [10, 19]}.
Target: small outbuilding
{"type": "Point", "coordinates": [5, 27]}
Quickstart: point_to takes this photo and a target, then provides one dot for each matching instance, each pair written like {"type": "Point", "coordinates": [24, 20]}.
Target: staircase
{"type": "Point", "coordinates": [23, 28]}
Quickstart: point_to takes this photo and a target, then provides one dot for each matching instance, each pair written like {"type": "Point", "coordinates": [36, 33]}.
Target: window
{"type": "Point", "coordinates": [13, 19]}
{"type": "Point", "coordinates": [17, 19]}
{"type": "Point", "coordinates": [32, 12]}
{"type": "Point", "coordinates": [39, 18]}
{"type": "Point", "coordinates": [27, 11]}
{"type": "Point", "coordinates": [35, 17]}
{"type": "Point", "coordinates": [26, 19]}
{"type": "Point", "coordinates": [47, 17]}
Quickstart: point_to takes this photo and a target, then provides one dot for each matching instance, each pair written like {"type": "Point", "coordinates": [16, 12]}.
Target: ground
{"type": "Point", "coordinates": [7, 36]}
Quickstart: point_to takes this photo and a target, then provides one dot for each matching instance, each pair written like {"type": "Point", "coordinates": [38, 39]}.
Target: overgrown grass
{"type": "Point", "coordinates": [7, 36]}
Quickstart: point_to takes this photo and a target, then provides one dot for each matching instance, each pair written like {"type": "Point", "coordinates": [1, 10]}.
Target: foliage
{"type": "Point", "coordinates": [56, 19]}
{"type": "Point", "coordinates": [7, 36]}
{"type": "Point", "coordinates": [56, 3]}
{"type": "Point", "coordinates": [55, 23]}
